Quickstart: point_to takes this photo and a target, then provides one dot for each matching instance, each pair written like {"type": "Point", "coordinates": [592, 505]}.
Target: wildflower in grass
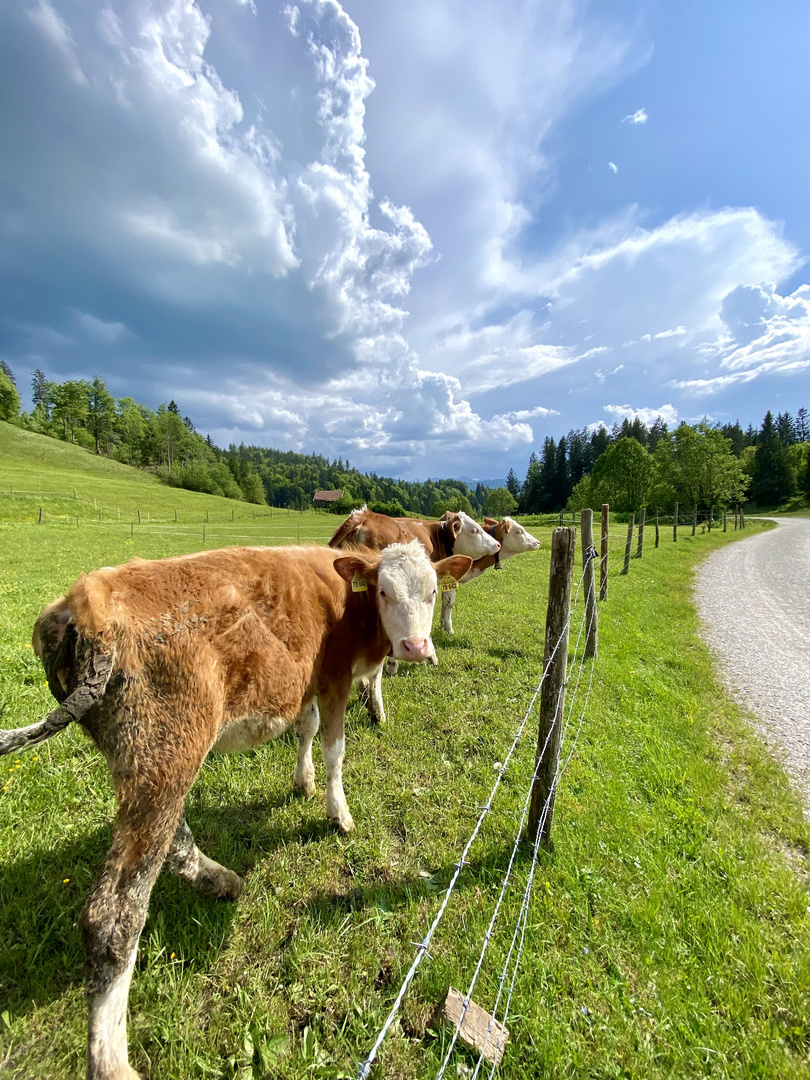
{"type": "Point", "coordinates": [65, 880]}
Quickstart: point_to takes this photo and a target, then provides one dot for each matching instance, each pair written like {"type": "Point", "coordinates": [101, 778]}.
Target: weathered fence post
{"type": "Point", "coordinates": [603, 561]}
{"type": "Point", "coordinates": [552, 694]}
{"type": "Point", "coordinates": [641, 518]}
{"type": "Point", "coordinates": [629, 544]}
{"type": "Point", "coordinates": [206, 513]}
{"type": "Point", "coordinates": [75, 496]}
{"type": "Point", "coordinates": [742, 518]}
{"type": "Point", "coordinates": [139, 517]}
{"type": "Point", "coordinates": [131, 529]}
{"type": "Point", "coordinates": [231, 513]}
{"type": "Point", "coordinates": [694, 520]}
{"type": "Point", "coordinates": [588, 559]}
{"type": "Point", "coordinates": [561, 519]}
{"type": "Point", "coordinates": [40, 515]}
{"type": "Point", "coordinates": [724, 519]}
{"type": "Point", "coordinates": [203, 533]}
{"type": "Point", "coordinates": [675, 525]}
{"type": "Point", "coordinates": [656, 526]}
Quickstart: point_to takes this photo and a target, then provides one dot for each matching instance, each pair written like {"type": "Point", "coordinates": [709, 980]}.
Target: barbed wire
{"type": "Point", "coordinates": [422, 948]}
{"type": "Point", "coordinates": [543, 817]}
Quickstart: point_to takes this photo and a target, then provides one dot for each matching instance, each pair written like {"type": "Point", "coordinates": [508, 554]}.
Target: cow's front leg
{"type": "Point", "coordinates": [371, 695]}
{"type": "Point", "coordinates": [333, 715]}
{"type": "Point", "coordinates": [448, 599]}
{"type": "Point", "coordinates": [306, 726]}
{"type": "Point", "coordinates": [209, 878]}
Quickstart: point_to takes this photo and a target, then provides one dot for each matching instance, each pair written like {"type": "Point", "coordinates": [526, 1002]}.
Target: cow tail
{"type": "Point", "coordinates": [94, 669]}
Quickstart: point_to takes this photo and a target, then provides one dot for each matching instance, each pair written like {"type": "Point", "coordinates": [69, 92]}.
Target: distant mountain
{"type": "Point", "coordinates": [471, 481]}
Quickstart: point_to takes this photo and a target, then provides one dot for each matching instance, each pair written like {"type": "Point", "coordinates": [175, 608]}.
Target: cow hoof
{"type": "Point", "coordinates": [306, 791]}
{"type": "Point", "coordinates": [223, 884]}
{"type": "Point", "coordinates": [342, 824]}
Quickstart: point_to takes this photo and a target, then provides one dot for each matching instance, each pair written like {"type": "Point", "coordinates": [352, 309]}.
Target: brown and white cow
{"type": "Point", "coordinates": [456, 532]}
{"type": "Point", "coordinates": [514, 540]}
{"type": "Point", "coordinates": [163, 661]}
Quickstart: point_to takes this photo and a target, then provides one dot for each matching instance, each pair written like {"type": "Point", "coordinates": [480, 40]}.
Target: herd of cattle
{"type": "Point", "coordinates": [163, 661]}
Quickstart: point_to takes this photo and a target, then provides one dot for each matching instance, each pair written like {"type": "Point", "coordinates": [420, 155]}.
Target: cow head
{"type": "Point", "coordinates": [469, 538]}
{"type": "Point", "coordinates": [406, 585]}
{"type": "Point", "coordinates": [514, 538]}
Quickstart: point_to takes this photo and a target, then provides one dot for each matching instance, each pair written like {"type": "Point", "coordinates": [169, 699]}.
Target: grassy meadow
{"type": "Point", "coordinates": [668, 934]}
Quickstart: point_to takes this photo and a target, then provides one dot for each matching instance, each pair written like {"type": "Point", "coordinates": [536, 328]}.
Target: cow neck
{"type": "Point", "coordinates": [448, 539]}
{"type": "Point", "coordinates": [493, 532]}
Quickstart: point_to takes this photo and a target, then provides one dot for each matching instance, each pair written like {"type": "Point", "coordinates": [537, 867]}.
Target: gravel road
{"type": "Point", "coordinates": [754, 600]}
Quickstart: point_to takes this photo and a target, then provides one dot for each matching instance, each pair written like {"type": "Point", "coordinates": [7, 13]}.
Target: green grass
{"type": "Point", "coordinates": [668, 934]}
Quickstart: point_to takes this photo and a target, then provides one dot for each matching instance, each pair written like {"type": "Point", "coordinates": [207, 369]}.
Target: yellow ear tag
{"type": "Point", "coordinates": [449, 583]}
{"type": "Point", "coordinates": [359, 583]}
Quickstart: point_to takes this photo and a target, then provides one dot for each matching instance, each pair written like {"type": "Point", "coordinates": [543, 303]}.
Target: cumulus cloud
{"type": "Point", "coordinates": [638, 117]}
{"type": "Point", "coordinates": [614, 168]}
{"type": "Point", "coordinates": [668, 413]}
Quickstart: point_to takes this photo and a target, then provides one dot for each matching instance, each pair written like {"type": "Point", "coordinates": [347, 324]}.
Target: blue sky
{"type": "Point", "coordinates": [421, 236]}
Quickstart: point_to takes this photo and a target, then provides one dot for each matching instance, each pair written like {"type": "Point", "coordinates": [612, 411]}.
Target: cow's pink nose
{"type": "Point", "coordinates": [415, 648]}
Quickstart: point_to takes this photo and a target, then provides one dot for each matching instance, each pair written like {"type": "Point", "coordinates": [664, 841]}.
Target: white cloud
{"type": "Point", "coordinates": [668, 413]}
{"type": "Point", "coordinates": [638, 117]}
{"type": "Point", "coordinates": [56, 30]}
{"type": "Point", "coordinates": [614, 168]}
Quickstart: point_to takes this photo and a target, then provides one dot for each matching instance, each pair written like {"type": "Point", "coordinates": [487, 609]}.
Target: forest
{"type": "Point", "coordinates": [628, 465]}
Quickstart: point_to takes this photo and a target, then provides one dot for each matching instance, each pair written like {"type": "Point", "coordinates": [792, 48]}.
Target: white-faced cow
{"type": "Point", "coordinates": [162, 661]}
{"type": "Point", "coordinates": [455, 532]}
{"type": "Point", "coordinates": [513, 539]}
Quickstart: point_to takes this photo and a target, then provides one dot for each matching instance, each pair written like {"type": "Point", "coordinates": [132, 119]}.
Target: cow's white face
{"type": "Point", "coordinates": [406, 594]}
{"type": "Point", "coordinates": [472, 540]}
{"type": "Point", "coordinates": [517, 539]}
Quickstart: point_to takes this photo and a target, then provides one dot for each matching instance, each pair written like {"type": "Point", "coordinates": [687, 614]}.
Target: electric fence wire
{"type": "Point", "coordinates": [516, 846]}
{"type": "Point", "coordinates": [424, 945]}
{"type": "Point", "coordinates": [522, 919]}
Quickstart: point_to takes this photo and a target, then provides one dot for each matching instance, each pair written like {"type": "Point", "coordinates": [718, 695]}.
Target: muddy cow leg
{"type": "Point", "coordinates": [333, 715]}
{"type": "Point", "coordinates": [111, 925]}
{"type": "Point", "coordinates": [306, 726]}
{"type": "Point", "coordinates": [209, 878]}
{"type": "Point", "coordinates": [371, 696]}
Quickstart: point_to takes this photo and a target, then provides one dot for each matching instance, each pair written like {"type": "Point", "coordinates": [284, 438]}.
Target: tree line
{"type": "Point", "coordinates": [85, 413]}
{"type": "Point", "coordinates": [701, 464]}
{"type": "Point", "coordinates": [628, 466]}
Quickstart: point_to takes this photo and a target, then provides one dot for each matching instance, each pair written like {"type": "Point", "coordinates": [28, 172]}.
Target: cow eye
{"type": "Point", "coordinates": [382, 594]}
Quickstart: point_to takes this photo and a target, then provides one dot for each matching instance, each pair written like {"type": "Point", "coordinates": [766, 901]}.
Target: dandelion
{"type": "Point", "coordinates": [65, 880]}
{"type": "Point", "coordinates": [173, 956]}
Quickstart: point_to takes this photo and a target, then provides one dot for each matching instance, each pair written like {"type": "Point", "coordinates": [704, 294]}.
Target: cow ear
{"type": "Point", "coordinates": [507, 524]}
{"type": "Point", "coordinates": [456, 566]}
{"type": "Point", "coordinates": [455, 526]}
{"type": "Point", "coordinates": [350, 565]}
{"type": "Point", "coordinates": [490, 521]}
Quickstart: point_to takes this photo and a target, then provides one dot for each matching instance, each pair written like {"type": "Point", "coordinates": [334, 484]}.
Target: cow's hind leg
{"type": "Point", "coordinates": [111, 924]}
{"type": "Point", "coordinates": [209, 878]}
{"type": "Point", "coordinates": [306, 727]}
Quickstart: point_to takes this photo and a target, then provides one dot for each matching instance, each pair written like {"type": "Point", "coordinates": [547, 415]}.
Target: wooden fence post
{"type": "Point", "coordinates": [175, 517]}
{"type": "Point", "coordinates": [656, 526]}
{"type": "Point", "coordinates": [641, 518]}
{"type": "Point", "coordinates": [694, 520]}
{"type": "Point", "coordinates": [40, 515]}
{"type": "Point", "coordinates": [675, 525]}
{"type": "Point", "coordinates": [552, 694]}
{"type": "Point", "coordinates": [588, 559]}
{"type": "Point", "coordinates": [203, 534]}
{"type": "Point", "coordinates": [139, 517]}
{"type": "Point", "coordinates": [742, 518]}
{"type": "Point", "coordinates": [629, 544]}
{"type": "Point", "coordinates": [603, 561]}
{"type": "Point", "coordinates": [561, 519]}
{"type": "Point", "coordinates": [131, 529]}
{"type": "Point", "coordinates": [206, 513]}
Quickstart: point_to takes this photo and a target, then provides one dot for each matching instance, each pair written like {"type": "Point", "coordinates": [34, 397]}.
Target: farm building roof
{"type": "Point", "coordinates": [327, 496]}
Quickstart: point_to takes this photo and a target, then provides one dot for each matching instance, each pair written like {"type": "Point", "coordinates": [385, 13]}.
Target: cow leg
{"type": "Point", "coordinates": [112, 921]}
{"type": "Point", "coordinates": [371, 696]}
{"type": "Point", "coordinates": [448, 599]}
{"type": "Point", "coordinates": [306, 726]}
{"type": "Point", "coordinates": [333, 715]}
{"type": "Point", "coordinates": [209, 878]}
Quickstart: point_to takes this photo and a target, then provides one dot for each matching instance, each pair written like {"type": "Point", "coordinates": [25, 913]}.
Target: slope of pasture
{"type": "Point", "coordinates": [668, 933]}
{"type": "Point", "coordinates": [36, 471]}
